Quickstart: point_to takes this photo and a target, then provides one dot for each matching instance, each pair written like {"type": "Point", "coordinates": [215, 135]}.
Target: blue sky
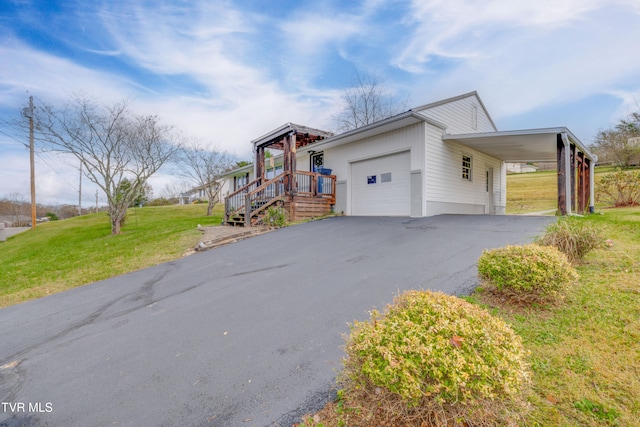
{"type": "Point", "coordinates": [228, 72]}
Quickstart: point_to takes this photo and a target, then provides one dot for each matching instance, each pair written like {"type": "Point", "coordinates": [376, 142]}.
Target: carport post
{"type": "Point", "coordinates": [592, 174]}
{"type": "Point", "coordinates": [567, 175]}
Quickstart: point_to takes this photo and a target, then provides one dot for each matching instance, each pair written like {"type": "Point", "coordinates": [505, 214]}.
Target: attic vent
{"type": "Point", "coordinates": [385, 177]}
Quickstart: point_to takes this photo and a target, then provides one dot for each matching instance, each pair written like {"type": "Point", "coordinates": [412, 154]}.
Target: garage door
{"type": "Point", "coordinates": [381, 186]}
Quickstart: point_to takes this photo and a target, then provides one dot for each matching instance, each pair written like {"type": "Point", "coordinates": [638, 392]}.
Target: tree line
{"type": "Point", "coordinates": [620, 145]}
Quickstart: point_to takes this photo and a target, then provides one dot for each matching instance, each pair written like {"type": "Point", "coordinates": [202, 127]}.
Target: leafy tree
{"type": "Point", "coordinates": [366, 101]}
{"type": "Point", "coordinates": [145, 193]}
{"type": "Point", "coordinates": [620, 144]}
{"type": "Point", "coordinates": [204, 166]}
{"type": "Point", "coordinates": [113, 144]}
{"type": "Point", "coordinates": [243, 163]}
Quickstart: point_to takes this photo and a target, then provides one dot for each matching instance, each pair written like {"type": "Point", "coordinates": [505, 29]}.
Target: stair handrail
{"type": "Point", "coordinates": [251, 196]}
{"type": "Point", "coordinates": [237, 196]}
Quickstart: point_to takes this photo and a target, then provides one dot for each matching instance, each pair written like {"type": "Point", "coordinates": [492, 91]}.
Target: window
{"type": "Point", "coordinates": [241, 181]}
{"type": "Point", "coordinates": [466, 167]}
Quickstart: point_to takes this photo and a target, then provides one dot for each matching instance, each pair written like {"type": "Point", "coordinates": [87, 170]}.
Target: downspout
{"type": "Point", "coordinates": [592, 183]}
{"type": "Point", "coordinates": [567, 174]}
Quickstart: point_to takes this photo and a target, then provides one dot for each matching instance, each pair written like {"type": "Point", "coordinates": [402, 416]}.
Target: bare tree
{"type": "Point", "coordinates": [19, 209]}
{"type": "Point", "coordinates": [204, 166]}
{"type": "Point", "coordinates": [620, 144]}
{"type": "Point", "coordinates": [172, 191]}
{"type": "Point", "coordinates": [366, 101]}
{"type": "Point", "coordinates": [112, 143]}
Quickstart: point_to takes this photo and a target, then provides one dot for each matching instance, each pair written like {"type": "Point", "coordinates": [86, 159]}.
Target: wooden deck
{"type": "Point", "coordinates": [302, 195]}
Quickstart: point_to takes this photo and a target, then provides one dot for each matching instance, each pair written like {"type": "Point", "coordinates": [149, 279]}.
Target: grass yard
{"type": "Point", "coordinates": [538, 191]}
{"type": "Point", "coordinates": [585, 354]}
{"type": "Point", "coordinates": [532, 192]}
{"type": "Point", "coordinates": [59, 255]}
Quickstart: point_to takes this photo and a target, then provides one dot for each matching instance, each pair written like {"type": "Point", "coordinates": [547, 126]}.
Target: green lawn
{"type": "Point", "coordinates": [585, 354]}
{"type": "Point", "coordinates": [63, 254]}
{"type": "Point", "coordinates": [532, 192]}
{"type": "Point", "coordinates": [538, 191]}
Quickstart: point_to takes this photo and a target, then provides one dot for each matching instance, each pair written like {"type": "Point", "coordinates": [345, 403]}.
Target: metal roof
{"type": "Point", "coordinates": [531, 145]}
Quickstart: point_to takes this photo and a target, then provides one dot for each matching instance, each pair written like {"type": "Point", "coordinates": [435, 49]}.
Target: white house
{"type": "Point", "coordinates": [442, 157]}
{"type": "Point", "coordinates": [199, 193]}
{"type": "Point", "coordinates": [520, 168]}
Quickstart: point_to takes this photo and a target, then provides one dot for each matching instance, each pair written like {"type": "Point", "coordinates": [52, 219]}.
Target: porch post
{"type": "Point", "coordinates": [292, 162]}
{"type": "Point", "coordinates": [259, 163]}
{"type": "Point", "coordinates": [286, 163]}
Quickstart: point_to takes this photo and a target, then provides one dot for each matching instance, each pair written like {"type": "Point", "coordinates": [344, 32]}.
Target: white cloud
{"type": "Point", "coordinates": [49, 77]}
{"type": "Point", "coordinates": [523, 55]}
{"type": "Point", "coordinates": [228, 75]}
{"type": "Point", "coordinates": [239, 101]}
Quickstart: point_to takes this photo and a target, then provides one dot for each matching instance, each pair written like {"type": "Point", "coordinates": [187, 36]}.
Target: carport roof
{"type": "Point", "coordinates": [531, 145]}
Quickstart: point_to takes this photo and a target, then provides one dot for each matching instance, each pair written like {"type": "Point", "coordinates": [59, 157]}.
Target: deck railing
{"type": "Point", "coordinates": [315, 185]}
{"type": "Point", "coordinates": [255, 197]}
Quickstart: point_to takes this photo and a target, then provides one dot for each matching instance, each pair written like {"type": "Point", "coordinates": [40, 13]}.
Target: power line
{"type": "Point", "coordinates": [14, 138]}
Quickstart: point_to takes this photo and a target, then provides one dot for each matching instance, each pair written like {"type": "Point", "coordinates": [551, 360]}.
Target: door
{"type": "Point", "coordinates": [381, 186]}
{"type": "Point", "coordinates": [317, 161]}
{"type": "Point", "coordinates": [489, 202]}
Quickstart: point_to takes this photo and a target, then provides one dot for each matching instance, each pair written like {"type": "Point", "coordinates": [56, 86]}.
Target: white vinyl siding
{"type": "Point", "coordinates": [445, 190]}
{"type": "Point", "coordinates": [459, 116]}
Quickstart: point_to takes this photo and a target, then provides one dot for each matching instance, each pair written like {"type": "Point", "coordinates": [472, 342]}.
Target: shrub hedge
{"type": "Point", "coordinates": [431, 357]}
{"type": "Point", "coordinates": [529, 273]}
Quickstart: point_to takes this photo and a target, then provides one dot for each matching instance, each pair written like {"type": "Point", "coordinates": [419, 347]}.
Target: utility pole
{"type": "Point", "coordinates": [28, 113]}
{"type": "Point", "coordinates": [80, 192]}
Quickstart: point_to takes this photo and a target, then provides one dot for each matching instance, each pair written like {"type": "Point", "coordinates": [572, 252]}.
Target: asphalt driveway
{"type": "Point", "coordinates": [247, 334]}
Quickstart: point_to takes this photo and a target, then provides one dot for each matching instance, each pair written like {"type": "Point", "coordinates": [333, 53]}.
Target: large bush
{"type": "Point", "coordinates": [575, 237]}
{"type": "Point", "coordinates": [529, 273]}
{"type": "Point", "coordinates": [435, 359]}
{"type": "Point", "coordinates": [620, 188]}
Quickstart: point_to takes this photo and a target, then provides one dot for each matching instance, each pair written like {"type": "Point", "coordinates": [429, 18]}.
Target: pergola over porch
{"type": "Point", "coordinates": [575, 162]}
{"type": "Point", "coordinates": [302, 194]}
{"type": "Point", "coordinates": [288, 138]}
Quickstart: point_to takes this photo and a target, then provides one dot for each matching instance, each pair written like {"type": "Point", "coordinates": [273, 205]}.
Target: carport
{"type": "Point", "coordinates": [575, 162]}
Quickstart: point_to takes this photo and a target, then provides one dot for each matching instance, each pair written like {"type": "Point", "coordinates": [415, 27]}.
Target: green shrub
{"type": "Point", "coordinates": [573, 236]}
{"type": "Point", "coordinates": [275, 217]}
{"type": "Point", "coordinates": [529, 273]}
{"type": "Point", "coordinates": [433, 357]}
